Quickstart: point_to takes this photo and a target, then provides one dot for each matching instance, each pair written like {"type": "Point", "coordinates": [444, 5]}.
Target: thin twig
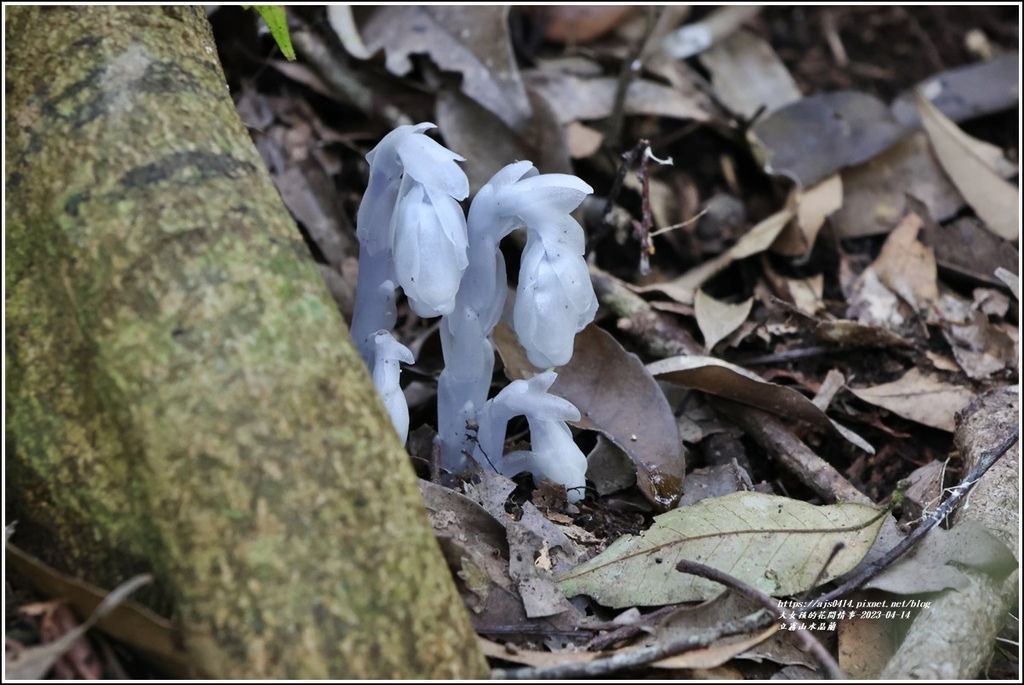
{"type": "Point", "coordinates": [642, 228]}
{"type": "Point", "coordinates": [630, 67]}
{"type": "Point", "coordinates": [640, 656]}
{"type": "Point", "coordinates": [628, 158]}
{"type": "Point", "coordinates": [806, 639]}
{"type": "Point", "coordinates": [957, 494]}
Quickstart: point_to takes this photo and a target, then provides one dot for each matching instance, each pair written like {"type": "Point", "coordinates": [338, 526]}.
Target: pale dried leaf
{"type": "Point", "coordinates": [813, 206]}
{"type": "Point", "coordinates": [907, 267]}
{"type": "Point", "coordinates": [718, 319]}
{"type": "Point", "coordinates": [723, 379]}
{"type": "Point", "coordinates": [585, 99]}
{"type": "Point", "coordinates": [918, 397]}
{"type": "Point", "coordinates": [969, 164]}
{"type": "Point", "coordinates": [934, 563]}
{"type": "Point", "coordinates": [1011, 280]}
{"type": "Point", "coordinates": [32, 663]}
{"type": "Point", "coordinates": [341, 21]}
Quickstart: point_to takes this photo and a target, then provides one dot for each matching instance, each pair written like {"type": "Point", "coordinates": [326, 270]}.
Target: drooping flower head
{"type": "Point", "coordinates": [555, 299]}
{"type": "Point", "coordinates": [553, 454]}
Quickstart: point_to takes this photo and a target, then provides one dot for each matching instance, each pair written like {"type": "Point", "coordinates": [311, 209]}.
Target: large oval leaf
{"type": "Point", "coordinates": [778, 545]}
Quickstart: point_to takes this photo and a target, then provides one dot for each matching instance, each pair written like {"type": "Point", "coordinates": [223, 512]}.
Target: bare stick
{"type": "Point", "coordinates": [807, 641]}
{"type": "Point", "coordinates": [957, 494]}
{"type": "Point", "coordinates": [792, 453]}
{"type": "Point", "coordinates": [640, 656]}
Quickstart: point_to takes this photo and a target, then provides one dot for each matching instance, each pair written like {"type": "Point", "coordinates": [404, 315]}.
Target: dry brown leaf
{"type": "Point", "coordinates": [964, 159]}
{"type": "Point", "coordinates": [684, 288]}
{"type": "Point", "coordinates": [803, 293]}
{"type": "Point", "coordinates": [578, 23]}
{"type": "Point", "coordinates": [471, 40]}
{"type": "Point", "coordinates": [534, 658]}
{"type": "Point", "coordinates": [813, 207]}
{"type": "Point", "coordinates": [747, 75]}
{"type": "Point", "coordinates": [965, 247]}
{"type": "Point", "coordinates": [718, 319]}
{"type": "Point", "coordinates": [907, 267]}
{"type": "Point", "coordinates": [582, 140]}
{"type": "Point", "coordinates": [919, 397]}
{"type": "Point", "coordinates": [874, 191]}
{"type": "Point", "coordinates": [865, 647]}
{"type": "Point", "coordinates": [133, 624]}
{"type": "Point", "coordinates": [718, 653]}
{"type": "Point", "coordinates": [732, 382]}
{"type": "Point", "coordinates": [488, 144]}
{"type": "Point", "coordinates": [585, 99]}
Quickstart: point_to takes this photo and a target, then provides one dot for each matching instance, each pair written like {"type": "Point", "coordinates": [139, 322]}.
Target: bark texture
{"type": "Point", "coordinates": [182, 394]}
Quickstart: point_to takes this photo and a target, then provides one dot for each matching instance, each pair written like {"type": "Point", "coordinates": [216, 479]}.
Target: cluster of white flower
{"type": "Point", "coordinates": [412, 233]}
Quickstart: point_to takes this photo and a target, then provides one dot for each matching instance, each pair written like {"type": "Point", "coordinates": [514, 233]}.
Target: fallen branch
{"type": "Point", "coordinates": [640, 656]}
{"type": "Point", "coordinates": [771, 434]}
{"type": "Point", "coordinates": [807, 641]}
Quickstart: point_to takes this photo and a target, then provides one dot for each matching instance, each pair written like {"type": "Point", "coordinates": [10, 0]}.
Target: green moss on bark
{"type": "Point", "coordinates": [182, 392]}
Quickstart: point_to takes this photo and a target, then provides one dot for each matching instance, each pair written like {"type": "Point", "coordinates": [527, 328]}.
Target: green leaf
{"type": "Point", "coordinates": [274, 17]}
{"type": "Point", "coordinates": [778, 545]}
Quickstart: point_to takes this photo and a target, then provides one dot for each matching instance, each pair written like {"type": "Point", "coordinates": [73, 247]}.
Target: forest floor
{"type": "Point", "coordinates": [821, 250]}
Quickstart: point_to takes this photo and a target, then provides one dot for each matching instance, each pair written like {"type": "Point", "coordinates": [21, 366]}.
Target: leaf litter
{"type": "Point", "coordinates": [848, 250]}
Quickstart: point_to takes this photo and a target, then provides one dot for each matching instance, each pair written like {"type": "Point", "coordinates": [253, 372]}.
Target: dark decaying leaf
{"type": "Point", "coordinates": [472, 41]}
{"type": "Point", "coordinates": [488, 144]}
{"type": "Point", "coordinates": [966, 92]}
{"type": "Point", "coordinates": [618, 398]}
{"type": "Point", "coordinates": [874, 191]}
{"type": "Point", "coordinates": [965, 248]}
{"type": "Point", "coordinates": [819, 135]}
{"type": "Point", "coordinates": [779, 545]}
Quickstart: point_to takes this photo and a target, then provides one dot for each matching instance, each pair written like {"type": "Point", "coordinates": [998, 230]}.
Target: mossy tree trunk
{"type": "Point", "coordinates": [182, 394]}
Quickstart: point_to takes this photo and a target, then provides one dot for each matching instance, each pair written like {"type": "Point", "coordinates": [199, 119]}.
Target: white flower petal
{"type": "Point", "coordinates": [429, 253]}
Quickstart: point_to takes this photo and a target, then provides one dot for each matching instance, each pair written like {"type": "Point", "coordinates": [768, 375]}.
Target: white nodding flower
{"type": "Point", "coordinates": [555, 299]}
{"type": "Point", "coordinates": [387, 353]}
{"type": "Point", "coordinates": [553, 454]}
{"type": "Point", "coordinates": [429, 248]}
{"type": "Point", "coordinates": [410, 208]}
